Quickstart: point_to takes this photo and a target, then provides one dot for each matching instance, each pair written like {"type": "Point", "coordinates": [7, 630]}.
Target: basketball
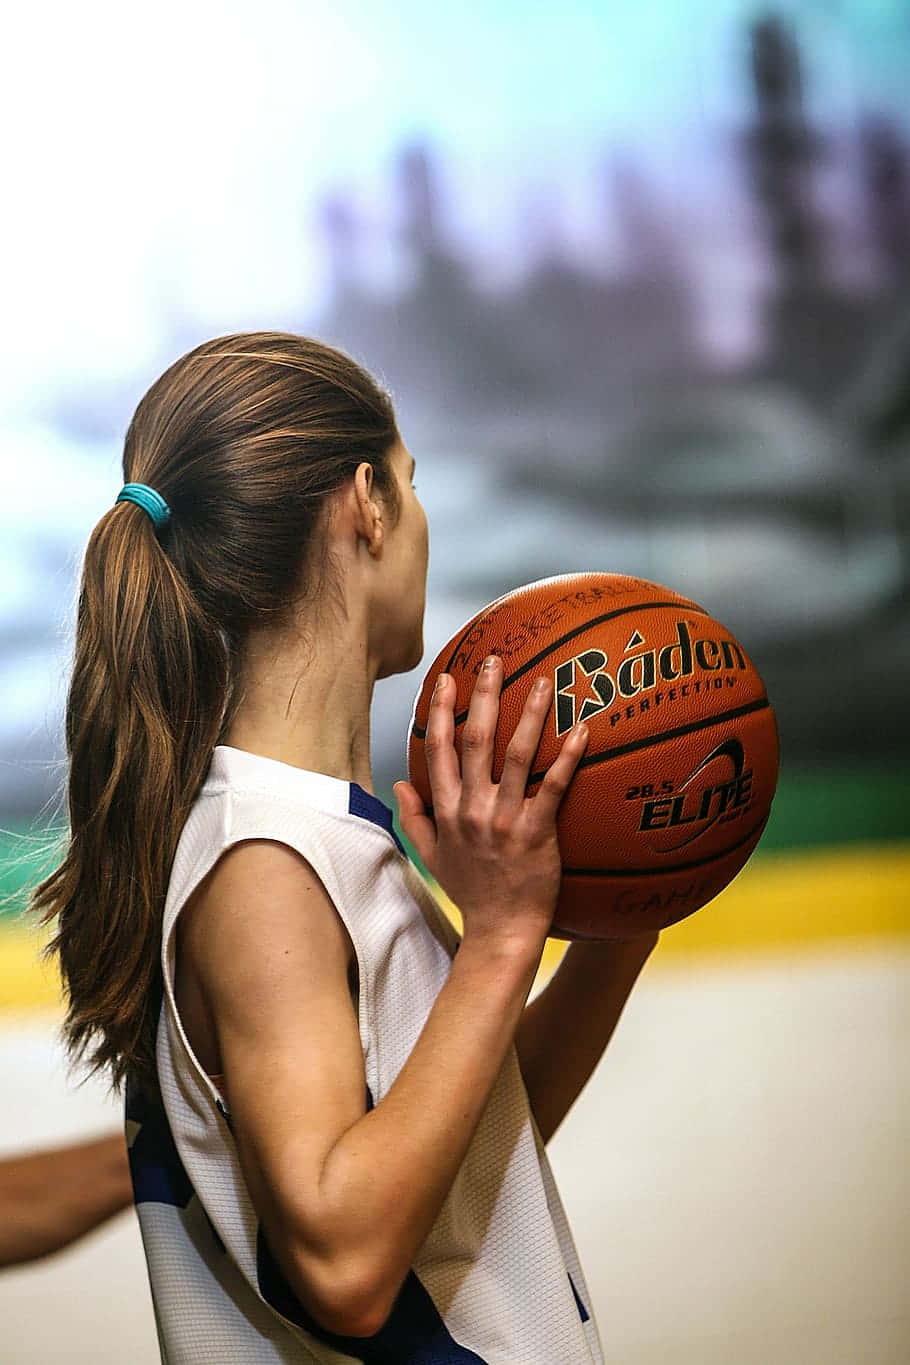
{"type": "Point", "coordinates": [675, 786]}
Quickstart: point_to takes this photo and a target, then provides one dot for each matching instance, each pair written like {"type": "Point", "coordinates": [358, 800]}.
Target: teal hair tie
{"type": "Point", "coordinates": [148, 500]}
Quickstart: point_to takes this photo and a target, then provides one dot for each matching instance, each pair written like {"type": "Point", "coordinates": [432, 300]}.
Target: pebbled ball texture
{"type": "Point", "coordinates": [677, 781]}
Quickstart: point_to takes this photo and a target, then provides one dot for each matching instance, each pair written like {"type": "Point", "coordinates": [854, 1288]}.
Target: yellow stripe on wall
{"type": "Point", "coordinates": [780, 901]}
{"type": "Point", "coordinates": [796, 899]}
{"type": "Point", "coordinates": [27, 982]}
{"type": "Point", "coordinates": [790, 901]}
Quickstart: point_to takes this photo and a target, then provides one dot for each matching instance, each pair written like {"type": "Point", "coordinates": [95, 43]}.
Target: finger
{"type": "Point", "coordinates": [523, 745]}
{"type": "Point", "coordinates": [480, 727]}
{"type": "Point", "coordinates": [439, 745]}
{"type": "Point", "coordinates": [415, 823]}
{"type": "Point", "coordinates": [559, 775]}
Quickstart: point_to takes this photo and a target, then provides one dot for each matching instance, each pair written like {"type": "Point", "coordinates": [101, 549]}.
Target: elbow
{"type": "Point", "coordinates": [345, 1294]}
{"type": "Point", "coordinates": [355, 1317]}
{"type": "Point", "coordinates": [354, 1309]}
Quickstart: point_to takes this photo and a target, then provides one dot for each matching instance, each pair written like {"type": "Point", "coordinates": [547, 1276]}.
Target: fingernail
{"type": "Point", "coordinates": [490, 661]}
{"type": "Point", "coordinates": [580, 731]}
{"type": "Point", "coordinates": [443, 678]}
{"type": "Point", "coordinates": [541, 685]}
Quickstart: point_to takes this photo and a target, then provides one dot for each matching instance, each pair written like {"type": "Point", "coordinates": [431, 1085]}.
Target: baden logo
{"type": "Point", "coordinates": [585, 686]}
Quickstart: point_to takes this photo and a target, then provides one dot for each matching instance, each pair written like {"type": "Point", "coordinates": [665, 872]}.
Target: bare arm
{"type": "Point", "coordinates": [347, 1197]}
{"type": "Point", "coordinates": [49, 1199]}
{"type": "Point", "coordinates": [564, 1031]}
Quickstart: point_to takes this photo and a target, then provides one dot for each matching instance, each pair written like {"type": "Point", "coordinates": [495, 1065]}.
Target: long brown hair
{"type": "Point", "coordinates": [245, 438]}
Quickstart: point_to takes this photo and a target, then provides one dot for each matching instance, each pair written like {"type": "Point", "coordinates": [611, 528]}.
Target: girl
{"type": "Point", "coordinates": [335, 1119]}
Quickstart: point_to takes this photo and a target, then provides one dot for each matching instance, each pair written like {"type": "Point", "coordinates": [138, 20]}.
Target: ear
{"type": "Point", "coordinates": [367, 509]}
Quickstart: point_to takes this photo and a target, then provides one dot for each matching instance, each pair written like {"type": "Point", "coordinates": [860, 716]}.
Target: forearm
{"type": "Point", "coordinates": [565, 1029]}
{"type": "Point", "coordinates": [49, 1199]}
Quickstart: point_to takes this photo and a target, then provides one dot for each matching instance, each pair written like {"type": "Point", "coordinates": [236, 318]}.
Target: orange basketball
{"type": "Point", "coordinates": [676, 784]}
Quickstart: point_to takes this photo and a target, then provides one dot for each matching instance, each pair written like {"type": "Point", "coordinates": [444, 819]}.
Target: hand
{"type": "Point", "coordinates": [492, 848]}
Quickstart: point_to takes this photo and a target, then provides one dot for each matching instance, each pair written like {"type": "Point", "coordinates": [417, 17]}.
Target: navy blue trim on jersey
{"type": "Point", "coordinates": [582, 1311]}
{"type": "Point", "coordinates": [369, 807]}
{"type": "Point", "coordinates": [413, 1334]}
{"type": "Point", "coordinates": [157, 1172]}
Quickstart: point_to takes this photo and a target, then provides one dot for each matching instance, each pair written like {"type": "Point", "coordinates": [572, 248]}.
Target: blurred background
{"type": "Point", "coordinates": [639, 281]}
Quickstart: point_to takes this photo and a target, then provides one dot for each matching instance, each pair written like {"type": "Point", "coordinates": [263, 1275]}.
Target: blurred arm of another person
{"type": "Point", "coordinates": [48, 1199]}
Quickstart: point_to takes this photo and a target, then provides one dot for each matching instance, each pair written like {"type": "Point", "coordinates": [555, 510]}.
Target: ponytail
{"type": "Point", "coordinates": [244, 439]}
{"type": "Point", "coordinates": [148, 693]}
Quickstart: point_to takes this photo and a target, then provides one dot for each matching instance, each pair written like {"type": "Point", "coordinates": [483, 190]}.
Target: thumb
{"type": "Point", "coordinates": [414, 820]}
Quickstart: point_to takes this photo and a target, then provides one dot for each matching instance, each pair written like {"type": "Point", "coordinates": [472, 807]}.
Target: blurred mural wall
{"type": "Point", "coordinates": [639, 283]}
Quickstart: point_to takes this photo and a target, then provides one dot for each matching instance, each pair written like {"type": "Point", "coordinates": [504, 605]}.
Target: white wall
{"type": "Point", "coordinates": [736, 1175]}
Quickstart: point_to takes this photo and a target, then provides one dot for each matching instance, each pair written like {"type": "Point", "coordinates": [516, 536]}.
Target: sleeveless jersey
{"type": "Point", "coordinates": [497, 1281]}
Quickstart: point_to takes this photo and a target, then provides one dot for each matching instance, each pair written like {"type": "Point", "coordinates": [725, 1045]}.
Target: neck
{"type": "Point", "coordinates": [305, 700]}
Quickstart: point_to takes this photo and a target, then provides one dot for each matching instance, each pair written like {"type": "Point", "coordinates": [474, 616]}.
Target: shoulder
{"type": "Point", "coordinates": [258, 864]}
{"type": "Point", "coordinates": [262, 919]}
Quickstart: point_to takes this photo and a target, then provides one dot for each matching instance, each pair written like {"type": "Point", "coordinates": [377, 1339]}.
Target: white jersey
{"type": "Point", "coordinates": [497, 1280]}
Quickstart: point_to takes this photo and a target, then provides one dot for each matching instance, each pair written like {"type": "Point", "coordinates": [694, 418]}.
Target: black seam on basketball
{"type": "Point", "coordinates": [754, 832]}
{"type": "Point", "coordinates": [419, 731]}
{"type": "Point", "coordinates": [761, 705]}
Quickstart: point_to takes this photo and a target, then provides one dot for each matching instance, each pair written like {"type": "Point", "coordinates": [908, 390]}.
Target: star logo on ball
{"type": "Point", "coordinates": [583, 689]}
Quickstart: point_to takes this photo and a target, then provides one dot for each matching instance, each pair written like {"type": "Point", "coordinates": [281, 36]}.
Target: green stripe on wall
{"type": "Point", "coordinates": [836, 803]}
{"type": "Point", "coordinates": [817, 805]}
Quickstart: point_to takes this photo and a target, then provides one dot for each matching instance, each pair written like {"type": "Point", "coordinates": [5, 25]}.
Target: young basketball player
{"type": "Point", "coordinates": [334, 1108]}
